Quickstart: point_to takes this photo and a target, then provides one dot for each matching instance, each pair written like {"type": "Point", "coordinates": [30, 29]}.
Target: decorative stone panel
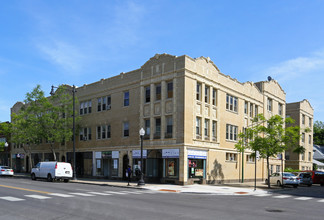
{"type": "Point", "coordinates": [168, 107]}
{"type": "Point", "coordinates": [157, 109]}
{"type": "Point", "coordinates": [146, 110]}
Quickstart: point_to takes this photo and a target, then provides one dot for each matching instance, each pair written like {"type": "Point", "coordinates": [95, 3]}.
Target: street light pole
{"type": "Point", "coordinates": [73, 137]}
{"type": "Point", "coordinates": [141, 181]}
{"type": "Point", "coordinates": [6, 146]}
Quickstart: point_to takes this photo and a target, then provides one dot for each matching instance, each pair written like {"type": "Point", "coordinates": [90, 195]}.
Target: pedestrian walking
{"type": "Point", "coordinates": [129, 174]}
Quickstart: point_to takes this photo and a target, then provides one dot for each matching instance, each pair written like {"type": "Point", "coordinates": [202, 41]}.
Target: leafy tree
{"type": "Point", "coordinates": [270, 137]}
{"type": "Point", "coordinates": [43, 118]}
{"type": "Point", "coordinates": [319, 133]}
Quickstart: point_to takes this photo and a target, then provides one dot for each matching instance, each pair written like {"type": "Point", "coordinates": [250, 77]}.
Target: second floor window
{"type": "Point", "coordinates": [280, 109]}
{"type": "Point", "coordinates": [85, 107]}
{"type": "Point", "coordinates": [231, 103]}
{"type": "Point", "coordinates": [126, 129]}
{"type": "Point", "coordinates": [126, 98]}
{"type": "Point", "coordinates": [231, 132]}
{"type": "Point", "coordinates": [158, 92]}
{"type": "Point", "coordinates": [147, 94]}
{"type": "Point", "coordinates": [198, 91]}
{"type": "Point", "coordinates": [147, 127]}
{"type": "Point", "coordinates": [158, 127]}
{"type": "Point", "coordinates": [198, 126]}
{"type": "Point", "coordinates": [251, 110]}
{"type": "Point", "coordinates": [85, 134]}
{"type": "Point", "coordinates": [169, 126]}
{"type": "Point", "coordinates": [169, 90]}
{"type": "Point", "coordinates": [206, 128]}
{"type": "Point", "coordinates": [207, 94]}
{"type": "Point", "coordinates": [214, 130]}
{"type": "Point", "coordinates": [245, 107]}
{"type": "Point", "coordinates": [214, 97]}
{"type": "Point", "coordinates": [303, 119]}
{"type": "Point", "coordinates": [269, 106]}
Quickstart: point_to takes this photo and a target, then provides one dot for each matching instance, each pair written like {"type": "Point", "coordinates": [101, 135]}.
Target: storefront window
{"type": "Point", "coordinates": [172, 167]}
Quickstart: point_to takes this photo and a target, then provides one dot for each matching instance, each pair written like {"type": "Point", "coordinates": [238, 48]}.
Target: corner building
{"type": "Point", "coordinates": [191, 113]}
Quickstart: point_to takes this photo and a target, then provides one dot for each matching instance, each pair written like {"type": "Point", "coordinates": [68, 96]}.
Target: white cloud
{"type": "Point", "coordinates": [67, 56]}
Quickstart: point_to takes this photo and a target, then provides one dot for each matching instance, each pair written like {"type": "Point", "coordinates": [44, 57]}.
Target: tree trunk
{"type": "Point", "coordinates": [268, 166]}
{"type": "Point", "coordinates": [53, 151]}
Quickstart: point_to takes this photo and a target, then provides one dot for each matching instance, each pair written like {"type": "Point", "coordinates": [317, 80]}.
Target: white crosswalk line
{"type": "Point", "coordinates": [322, 200]}
{"type": "Point", "coordinates": [281, 196]}
{"type": "Point", "coordinates": [38, 196]}
{"type": "Point", "coordinates": [131, 192]}
{"type": "Point", "coordinates": [82, 194]}
{"type": "Point", "coordinates": [262, 195]}
{"type": "Point", "coordinates": [11, 199]}
{"type": "Point", "coordinates": [303, 198]}
{"type": "Point", "coordinates": [99, 193]}
{"type": "Point", "coordinates": [113, 192]}
{"type": "Point", "coordinates": [61, 195]}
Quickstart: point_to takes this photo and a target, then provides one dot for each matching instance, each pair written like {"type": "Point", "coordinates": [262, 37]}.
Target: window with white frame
{"type": "Point", "coordinates": [214, 101]}
{"type": "Point", "coordinates": [207, 94]}
{"type": "Point", "coordinates": [310, 123]}
{"type": "Point", "coordinates": [231, 132]}
{"type": "Point", "coordinates": [85, 107]}
{"type": "Point", "coordinates": [277, 168]}
{"type": "Point", "coordinates": [126, 129]}
{"type": "Point", "coordinates": [269, 106]}
{"type": "Point", "coordinates": [302, 156]}
{"type": "Point", "coordinates": [280, 107]}
{"type": "Point", "coordinates": [206, 128]}
{"type": "Point", "coordinates": [103, 131]}
{"type": "Point", "coordinates": [231, 103]}
{"type": "Point", "coordinates": [99, 104]}
{"type": "Point", "coordinates": [103, 103]}
{"type": "Point", "coordinates": [303, 119]}
{"type": "Point", "coordinates": [256, 111]}
{"type": "Point", "coordinates": [169, 127]}
{"type": "Point", "coordinates": [271, 169]}
{"type": "Point", "coordinates": [231, 157]}
{"type": "Point", "coordinates": [198, 127]}
{"type": "Point", "coordinates": [245, 107]}
{"type": "Point", "coordinates": [251, 110]}
{"type": "Point", "coordinates": [214, 130]}
{"type": "Point", "coordinates": [85, 134]}
{"type": "Point", "coordinates": [198, 91]}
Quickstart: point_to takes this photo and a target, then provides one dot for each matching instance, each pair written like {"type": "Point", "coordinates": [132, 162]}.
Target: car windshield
{"type": "Point", "coordinates": [288, 174]}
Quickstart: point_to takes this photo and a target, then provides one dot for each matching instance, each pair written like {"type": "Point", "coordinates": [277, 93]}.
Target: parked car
{"type": "Point", "coordinates": [317, 176]}
{"type": "Point", "coordinates": [6, 171]}
{"type": "Point", "coordinates": [304, 178]}
{"type": "Point", "coordinates": [287, 179]}
{"type": "Point", "coordinates": [52, 171]}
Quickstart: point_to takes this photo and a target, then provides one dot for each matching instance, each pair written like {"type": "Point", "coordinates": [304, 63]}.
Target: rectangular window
{"type": "Point", "coordinates": [81, 134]}
{"type": "Point", "coordinates": [303, 119]}
{"type": "Point", "coordinates": [158, 92]}
{"type": "Point", "coordinates": [250, 159]}
{"type": "Point", "coordinates": [198, 91]}
{"type": "Point", "coordinates": [206, 128]}
{"type": "Point", "coordinates": [256, 111]}
{"type": "Point", "coordinates": [277, 168]}
{"type": "Point", "coordinates": [206, 94]}
{"type": "Point", "coordinates": [89, 106]}
{"type": "Point", "coordinates": [271, 169]}
{"type": "Point", "coordinates": [269, 106]}
{"type": "Point", "coordinates": [126, 129]}
{"type": "Point", "coordinates": [198, 127]}
{"type": "Point", "coordinates": [99, 132]}
{"type": "Point", "coordinates": [310, 139]}
{"type": "Point", "coordinates": [85, 134]}
{"type": "Point", "coordinates": [108, 102]}
{"type": "Point", "coordinates": [108, 131]}
{"type": "Point", "coordinates": [147, 94]}
{"type": "Point", "coordinates": [99, 105]}
{"type": "Point", "coordinates": [302, 156]}
{"type": "Point", "coordinates": [309, 156]}
{"type": "Point", "coordinates": [231, 103]}
{"type": "Point", "coordinates": [310, 123]}
{"type": "Point", "coordinates": [103, 132]}
{"type": "Point", "coordinates": [231, 132]}
{"type": "Point", "coordinates": [170, 90]}
{"type": "Point", "coordinates": [245, 107]}
{"type": "Point", "coordinates": [147, 127]}
{"type": "Point", "coordinates": [126, 98]}
{"type": "Point", "coordinates": [104, 103]}
{"type": "Point", "coordinates": [85, 110]}
{"type": "Point", "coordinates": [280, 109]}
{"type": "Point", "coordinates": [81, 108]}
{"type": "Point", "coordinates": [231, 157]}
{"type": "Point", "coordinates": [251, 110]}
{"type": "Point", "coordinates": [214, 130]}
{"type": "Point", "coordinates": [169, 127]}
{"type": "Point", "coordinates": [214, 97]}
{"type": "Point", "coordinates": [157, 128]}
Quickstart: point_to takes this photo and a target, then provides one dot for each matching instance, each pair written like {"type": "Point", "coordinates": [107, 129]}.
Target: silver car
{"type": "Point", "coordinates": [287, 179]}
{"type": "Point", "coordinates": [304, 178]}
{"type": "Point", "coordinates": [6, 171]}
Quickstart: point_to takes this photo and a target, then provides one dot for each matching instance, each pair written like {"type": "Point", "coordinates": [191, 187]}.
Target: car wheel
{"type": "Point", "coordinates": [33, 177]}
{"type": "Point", "coordinates": [278, 183]}
{"type": "Point", "coordinates": [309, 185]}
{"type": "Point", "coordinates": [66, 180]}
{"type": "Point", "coordinates": [49, 178]}
{"type": "Point", "coordinates": [295, 186]}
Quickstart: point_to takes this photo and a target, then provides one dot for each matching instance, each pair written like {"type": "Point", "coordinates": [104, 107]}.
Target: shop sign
{"type": "Point", "coordinates": [106, 154]}
{"type": "Point", "coordinates": [197, 154]}
{"type": "Point", "coordinates": [137, 153]}
{"type": "Point", "coordinates": [199, 172]}
{"type": "Point", "coordinates": [170, 153]}
{"type": "Point", "coordinates": [115, 154]}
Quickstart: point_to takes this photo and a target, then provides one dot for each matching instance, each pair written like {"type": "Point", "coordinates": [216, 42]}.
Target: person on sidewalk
{"type": "Point", "coordinates": [129, 174]}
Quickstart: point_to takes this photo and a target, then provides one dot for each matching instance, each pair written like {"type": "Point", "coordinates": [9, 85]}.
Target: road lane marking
{"type": "Point", "coordinates": [61, 195]}
{"type": "Point", "coordinates": [82, 194]}
{"type": "Point", "coordinates": [38, 197]}
{"type": "Point", "coordinates": [30, 190]}
{"type": "Point", "coordinates": [281, 196]}
{"type": "Point", "coordinates": [99, 193]}
{"type": "Point", "coordinates": [262, 195]}
{"type": "Point", "coordinates": [322, 200]}
{"type": "Point", "coordinates": [303, 198]}
{"type": "Point", "coordinates": [113, 192]}
{"type": "Point", "coordinates": [11, 199]}
{"type": "Point", "coordinates": [131, 192]}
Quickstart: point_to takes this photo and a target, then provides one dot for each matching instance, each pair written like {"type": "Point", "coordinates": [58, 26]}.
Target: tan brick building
{"type": "Point", "coordinates": [303, 114]}
{"type": "Point", "coordinates": [191, 113]}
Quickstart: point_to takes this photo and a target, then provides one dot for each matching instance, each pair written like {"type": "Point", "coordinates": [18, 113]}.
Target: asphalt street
{"type": "Point", "coordinates": [26, 199]}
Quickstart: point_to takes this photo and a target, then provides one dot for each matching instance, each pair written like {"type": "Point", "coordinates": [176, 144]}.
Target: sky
{"type": "Point", "coordinates": [79, 42]}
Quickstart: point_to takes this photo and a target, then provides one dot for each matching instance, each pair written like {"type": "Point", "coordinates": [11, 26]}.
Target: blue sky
{"type": "Point", "coordinates": [79, 42]}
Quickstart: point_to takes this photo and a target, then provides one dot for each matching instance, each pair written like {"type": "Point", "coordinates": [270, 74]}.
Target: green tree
{"type": "Point", "coordinates": [270, 137]}
{"type": "Point", "coordinates": [43, 118]}
{"type": "Point", "coordinates": [319, 133]}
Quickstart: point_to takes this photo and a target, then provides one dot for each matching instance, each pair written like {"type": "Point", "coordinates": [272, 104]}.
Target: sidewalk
{"type": "Point", "coordinates": [224, 189]}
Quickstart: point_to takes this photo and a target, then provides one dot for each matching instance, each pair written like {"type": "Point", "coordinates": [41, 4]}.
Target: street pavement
{"type": "Point", "coordinates": [245, 188]}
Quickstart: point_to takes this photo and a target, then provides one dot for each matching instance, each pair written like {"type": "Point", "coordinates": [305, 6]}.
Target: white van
{"type": "Point", "coordinates": [52, 170]}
